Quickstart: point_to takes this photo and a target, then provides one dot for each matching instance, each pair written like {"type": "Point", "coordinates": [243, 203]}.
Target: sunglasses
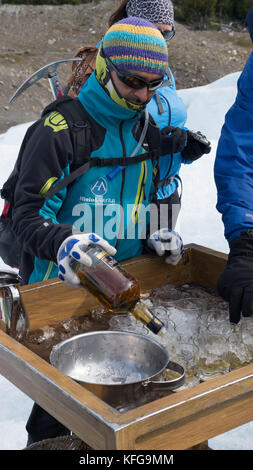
{"type": "Point", "coordinates": [134, 81]}
{"type": "Point", "coordinates": [168, 35]}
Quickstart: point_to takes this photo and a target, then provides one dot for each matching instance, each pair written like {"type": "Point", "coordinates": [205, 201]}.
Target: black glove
{"type": "Point", "coordinates": [173, 140]}
{"type": "Point", "coordinates": [235, 285]}
{"type": "Point", "coordinates": [197, 145]}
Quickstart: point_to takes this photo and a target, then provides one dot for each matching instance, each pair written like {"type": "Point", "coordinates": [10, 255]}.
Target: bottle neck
{"type": "Point", "coordinates": [143, 314]}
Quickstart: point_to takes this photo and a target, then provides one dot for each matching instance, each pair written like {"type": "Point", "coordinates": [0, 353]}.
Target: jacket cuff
{"type": "Point", "coordinates": [242, 245]}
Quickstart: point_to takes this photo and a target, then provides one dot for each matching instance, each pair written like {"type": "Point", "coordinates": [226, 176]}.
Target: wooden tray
{"type": "Point", "coordinates": [177, 421]}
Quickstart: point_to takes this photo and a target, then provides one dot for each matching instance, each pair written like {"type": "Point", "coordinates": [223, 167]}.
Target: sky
{"type": "Point", "coordinates": [199, 222]}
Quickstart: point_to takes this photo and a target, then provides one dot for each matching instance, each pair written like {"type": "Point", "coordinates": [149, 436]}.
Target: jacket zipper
{"type": "Point", "coordinates": [122, 184]}
{"type": "Point", "coordinates": [142, 190]}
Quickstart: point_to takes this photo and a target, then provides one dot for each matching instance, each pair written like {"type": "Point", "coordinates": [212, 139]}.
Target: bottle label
{"type": "Point", "coordinates": [106, 259]}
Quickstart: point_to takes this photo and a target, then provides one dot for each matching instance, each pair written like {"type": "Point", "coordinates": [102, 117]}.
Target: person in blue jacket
{"type": "Point", "coordinates": [53, 231]}
{"type": "Point", "coordinates": [166, 107]}
{"type": "Point", "coordinates": [233, 172]}
{"type": "Point", "coordinates": [112, 208]}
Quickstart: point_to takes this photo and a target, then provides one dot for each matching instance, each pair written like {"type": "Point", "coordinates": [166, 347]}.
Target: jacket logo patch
{"type": "Point", "coordinates": [56, 121]}
{"type": "Point", "coordinates": [99, 188]}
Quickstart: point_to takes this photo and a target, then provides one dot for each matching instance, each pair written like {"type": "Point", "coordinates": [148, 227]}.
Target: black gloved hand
{"type": "Point", "coordinates": [173, 140]}
{"type": "Point", "coordinates": [235, 285]}
{"type": "Point", "coordinates": [197, 145]}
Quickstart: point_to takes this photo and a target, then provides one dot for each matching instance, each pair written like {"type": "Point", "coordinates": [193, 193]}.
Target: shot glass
{"type": "Point", "coordinates": [178, 314]}
{"type": "Point", "coordinates": [225, 328]}
{"type": "Point", "coordinates": [126, 322]}
{"type": "Point", "coordinates": [187, 323]}
{"type": "Point", "coordinates": [170, 339]}
{"type": "Point", "coordinates": [247, 323]}
{"type": "Point", "coordinates": [194, 303]}
{"type": "Point", "coordinates": [187, 355]}
{"type": "Point", "coordinates": [162, 313]}
{"type": "Point", "coordinates": [247, 341]}
{"type": "Point", "coordinates": [216, 303]}
{"type": "Point", "coordinates": [197, 305]}
{"type": "Point", "coordinates": [213, 358]}
{"type": "Point", "coordinates": [240, 353]}
{"type": "Point", "coordinates": [217, 315]}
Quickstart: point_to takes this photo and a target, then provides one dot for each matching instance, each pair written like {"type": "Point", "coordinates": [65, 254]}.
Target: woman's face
{"type": "Point", "coordinates": [140, 96]}
{"type": "Point", "coordinates": [163, 27]}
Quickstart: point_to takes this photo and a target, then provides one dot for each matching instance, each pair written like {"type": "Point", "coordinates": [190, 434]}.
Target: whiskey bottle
{"type": "Point", "coordinates": [114, 287]}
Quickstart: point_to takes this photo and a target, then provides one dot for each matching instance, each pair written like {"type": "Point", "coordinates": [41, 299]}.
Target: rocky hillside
{"type": "Point", "coordinates": [33, 36]}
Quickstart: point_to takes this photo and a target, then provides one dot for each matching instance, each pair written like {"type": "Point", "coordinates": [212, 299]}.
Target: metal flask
{"type": "Point", "coordinates": [12, 311]}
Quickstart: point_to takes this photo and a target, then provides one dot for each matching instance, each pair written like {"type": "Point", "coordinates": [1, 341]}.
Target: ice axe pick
{"type": "Point", "coordinates": [49, 71]}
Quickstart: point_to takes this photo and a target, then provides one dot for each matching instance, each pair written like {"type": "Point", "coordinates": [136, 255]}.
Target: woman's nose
{"type": "Point", "coordinates": [142, 94]}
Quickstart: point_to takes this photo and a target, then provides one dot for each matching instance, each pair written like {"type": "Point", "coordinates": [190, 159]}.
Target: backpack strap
{"type": "Point", "coordinates": [159, 104]}
{"type": "Point", "coordinates": [80, 131]}
{"type": "Point", "coordinates": [82, 70]}
{"type": "Point", "coordinates": [99, 162]}
{"type": "Point", "coordinates": [167, 179]}
{"type": "Point", "coordinates": [153, 136]}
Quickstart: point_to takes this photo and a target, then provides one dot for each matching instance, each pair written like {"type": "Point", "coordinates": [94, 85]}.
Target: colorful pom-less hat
{"type": "Point", "coordinates": [136, 44]}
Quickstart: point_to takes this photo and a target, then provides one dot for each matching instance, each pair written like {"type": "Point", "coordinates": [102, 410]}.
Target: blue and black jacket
{"type": "Point", "coordinates": [233, 168]}
{"type": "Point", "coordinates": [91, 203]}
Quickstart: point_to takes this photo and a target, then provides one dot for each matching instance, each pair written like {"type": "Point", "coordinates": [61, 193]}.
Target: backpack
{"type": "Point", "coordinates": [80, 132]}
{"type": "Point", "coordinates": [81, 70]}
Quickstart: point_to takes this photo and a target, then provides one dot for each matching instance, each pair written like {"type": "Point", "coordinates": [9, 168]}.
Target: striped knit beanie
{"type": "Point", "coordinates": [136, 44]}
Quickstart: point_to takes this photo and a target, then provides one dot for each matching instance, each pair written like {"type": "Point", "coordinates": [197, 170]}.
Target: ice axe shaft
{"type": "Point", "coordinates": [49, 71]}
{"type": "Point", "coordinates": [55, 85]}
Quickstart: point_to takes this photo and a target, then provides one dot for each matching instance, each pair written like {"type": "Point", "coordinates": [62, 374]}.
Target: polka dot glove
{"type": "Point", "coordinates": [74, 247]}
{"type": "Point", "coordinates": [166, 241]}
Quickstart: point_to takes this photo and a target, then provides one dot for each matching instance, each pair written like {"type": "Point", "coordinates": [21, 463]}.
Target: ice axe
{"type": "Point", "coordinates": [49, 71]}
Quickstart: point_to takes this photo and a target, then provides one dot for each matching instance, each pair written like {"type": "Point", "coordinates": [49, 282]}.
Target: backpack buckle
{"type": "Point", "coordinates": [79, 124]}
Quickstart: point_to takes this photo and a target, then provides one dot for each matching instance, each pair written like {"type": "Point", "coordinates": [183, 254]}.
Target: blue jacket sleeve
{"type": "Point", "coordinates": [233, 169]}
{"type": "Point", "coordinates": [249, 21]}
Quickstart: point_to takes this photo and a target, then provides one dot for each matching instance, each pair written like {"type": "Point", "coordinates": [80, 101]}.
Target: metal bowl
{"type": "Point", "coordinates": [117, 366]}
{"type": "Point", "coordinates": [109, 357]}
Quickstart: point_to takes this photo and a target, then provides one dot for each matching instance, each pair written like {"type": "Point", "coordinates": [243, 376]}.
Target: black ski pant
{"type": "Point", "coordinates": [41, 425]}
